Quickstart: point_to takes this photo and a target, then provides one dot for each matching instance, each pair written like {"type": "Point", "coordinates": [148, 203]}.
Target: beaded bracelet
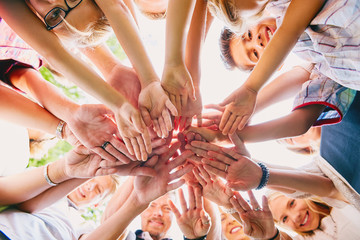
{"type": "Point", "coordinates": [265, 176]}
{"type": "Point", "coordinates": [46, 176]}
{"type": "Point", "coordinates": [228, 210]}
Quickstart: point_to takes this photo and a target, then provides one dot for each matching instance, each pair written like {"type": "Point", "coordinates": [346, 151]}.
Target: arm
{"type": "Point", "coordinates": [296, 123]}
{"type": "Point", "coordinates": [284, 86]}
{"type": "Point", "coordinates": [241, 102]}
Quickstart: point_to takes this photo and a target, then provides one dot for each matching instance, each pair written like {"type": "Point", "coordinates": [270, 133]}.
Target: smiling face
{"type": "Point", "coordinates": [248, 48]}
{"type": "Point", "coordinates": [92, 191]}
{"type": "Point", "coordinates": [156, 219]}
{"type": "Point", "coordinates": [232, 229]}
{"type": "Point", "coordinates": [79, 17]}
{"type": "Point", "coordinates": [294, 213]}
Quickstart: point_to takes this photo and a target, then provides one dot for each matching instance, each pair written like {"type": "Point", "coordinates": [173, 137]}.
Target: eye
{"type": "Point", "coordinates": [256, 54]}
{"type": "Point", "coordinates": [284, 219]}
{"type": "Point", "coordinates": [167, 209]}
{"type": "Point", "coordinates": [55, 14]}
{"type": "Point", "coordinates": [292, 203]}
{"type": "Point", "coordinates": [249, 35]}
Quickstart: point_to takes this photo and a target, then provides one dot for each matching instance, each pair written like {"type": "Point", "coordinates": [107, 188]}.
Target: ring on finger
{"type": "Point", "coordinates": [257, 209]}
{"type": "Point", "coordinates": [105, 145]}
{"type": "Point", "coordinates": [226, 168]}
{"type": "Point", "coordinates": [207, 222]}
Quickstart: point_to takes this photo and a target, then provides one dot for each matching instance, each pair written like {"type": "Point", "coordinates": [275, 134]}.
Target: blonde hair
{"type": "Point", "coordinates": [315, 204]}
{"type": "Point", "coordinates": [154, 16]}
{"type": "Point", "coordinates": [226, 11]}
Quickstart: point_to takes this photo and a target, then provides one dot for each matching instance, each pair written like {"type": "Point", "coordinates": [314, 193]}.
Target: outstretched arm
{"type": "Point", "coordinates": [241, 103]}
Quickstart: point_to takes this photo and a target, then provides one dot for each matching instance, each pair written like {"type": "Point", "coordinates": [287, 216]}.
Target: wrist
{"type": "Point", "coordinates": [56, 172]}
{"type": "Point", "coordinates": [276, 234]}
{"type": "Point", "coordinates": [251, 88]}
{"type": "Point", "coordinates": [264, 177]}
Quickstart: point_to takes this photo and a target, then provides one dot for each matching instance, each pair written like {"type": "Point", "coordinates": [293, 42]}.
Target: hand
{"type": "Point", "coordinates": [92, 127]}
{"type": "Point", "coordinates": [258, 223]}
{"type": "Point", "coordinates": [212, 119]}
{"type": "Point", "coordinates": [156, 107]}
{"type": "Point", "coordinates": [207, 134]}
{"type": "Point", "coordinates": [148, 189]}
{"type": "Point", "coordinates": [136, 168]}
{"type": "Point", "coordinates": [194, 221]}
{"type": "Point", "coordinates": [177, 82]}
{"type": "Point", "coordinates": [239, 108]}
{"type": "Point", "coordinates": [193, 108]}
{"type": "Point", "coordinates": [213, 188]}
{"type": "Point", "coordinates": [82, 163]}
{"type": "Point", "coordinates": [133, 131]}
{"type": "Point", "coordinates": [125, 81]}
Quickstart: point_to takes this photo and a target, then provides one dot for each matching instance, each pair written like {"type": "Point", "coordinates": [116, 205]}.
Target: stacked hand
{"type": "Point", "coordinates": [193, 221]}
{"type": "Point", "coordinates": [239, 108]}
{"type": "Point", "coordinates": [155, 108]}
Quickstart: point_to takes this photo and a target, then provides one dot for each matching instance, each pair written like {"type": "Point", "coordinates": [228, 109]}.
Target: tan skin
{"type": "Point", "coordinates": [152, 6]}
{"type": "Point", "coordinates": [231, 228]}
{"type": "Point", "coordinates": [294, 214]}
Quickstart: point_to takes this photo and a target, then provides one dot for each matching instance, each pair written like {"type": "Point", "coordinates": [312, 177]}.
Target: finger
{"type": "Point", "coordinates": [157, 142]}
{"type": "Point", "coordinates": [136, 148]}
{"type": "Point", "coordinates": [182, 123]}
{"type": "Point", "coordinates": [157, 128]}
{"type": "Point", "coordinates": [239, 144]}
{"type": "Point", "coordinates": [197, 151]}
{"type": "Point", "coordinates": [215, 171]}
{"type": "Point", "coordinates": [234, 202]}
{"type": "Point", "coordinates": [237, 185]}
{"type": "Point", "coordinates": [179, 160]}
{"type": "Point", "coordinates": [229, 124]}
{"type": "Point", "coordinates": [224, 118]}
{"type": "Point", "coordinates": [170, 152]}
{"type": "Point", "coordinates": [163, 128]}
{"type": "Point", "coordinates": [182, 200]}
{"type": "Point", "coordinates": [235, 125]}
{"type": "Point", "coordinates": [215, 106]}
{"type": "Point", "coordinates": [118, 155]}
{"type": "Point", "coordinates": [221, 157]}
{"type": "Point", "coordinates": [181, 172]}
{"type": "Point", "coordinates": [194, 159]}
{"type": "Point", "coordinates": [206, 146]}
{"type": "Point", "coordinates": [246, 225]}
{"type": "Point", "coordinates": [243, 122]}
{"type": "Point", "coordinates": [253, 201]}
{"type": "Point", "coordinates": [199, 120]}
{"type": "Point", "coordinates": [167, 119]}
{"type": "Point", "coordinates": [190, 136]}
{"type": "Point", "coordinates": [232, 153]}
{"type": "Point", "coordinates": [192, 204]}
{"type": "Point", "coordinates": [175, 185]}
{"type": "Point", "coordinates": [147, 140]}
{"type": "Point", "coordinates": [103, 154]}
{"type": "Point", "coordinates": [141, 144]}
{"type": "Point", "coordinates": [204, 174]}
{"type": "Point", "coordinates": [145, 116]}
{"type": "Point", "coordinates": [169, 104]}
{"type": "Point", "coordinates": [143, 171]}
{"type": "Point", "coordinates": [105, 171]}
{"type": "Point", "coordinates": [128, 145]}
{"type": "Point", "coordinates": [160, 150]}
{"type": "Point", "coordinates": [184, 100]}
{"type": "Point", "coordinates": [242, 202]}
{"type": "Point", "coordinates": [188, 122]}
{"type": "Point", "coordinates": [174, 209]}
{"type": "Point", "coordinates": [265, 204]}
{"type": "Point", "coordinates": [198, 198]}
{"type": "Point", "coordinates": [151, 162]}
{"type": "Point", "coordinates": [198, 177]}
{"type": "Point", "coordinates": [109, 164]}
{"type": "Point", "coordinates": [205, 218]}
{"type": "Point", "coordinates": [120, 146]}
{"type": "Point", "coordinates": [227, 100]}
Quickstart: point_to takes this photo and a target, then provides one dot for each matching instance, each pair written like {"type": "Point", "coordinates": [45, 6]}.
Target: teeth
{"type": "Point", "coordinates": [235, 229]}
{"type": "Point", "coordinates": [305, 220]}
{"type": "Point", "coordinates": [270, 34]}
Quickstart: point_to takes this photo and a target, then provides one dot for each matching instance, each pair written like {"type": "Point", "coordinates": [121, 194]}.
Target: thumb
{"type": "Point", "coordinates": [171, 107]}
{"type": "Point", "coordinates": [227, 100]}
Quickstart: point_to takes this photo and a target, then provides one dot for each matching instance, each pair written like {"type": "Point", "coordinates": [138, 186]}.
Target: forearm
{"type": "Point", "coordinates": [195, 39]}
{"type": "Point", "coordinates": [24, 186]}
{"type": "Point", "coordinates": [50, 196]}
{"type": "Point", "coordinates": [282, 87]}
{"type": "Point", "coordinates": [296, 123]}
{"type": "Point", "coordinates": [50, 47]}
{"type": "Point", "coordinates": [31, 82]}
{"type": "Point", "coordinates": [126, 32]}
{"type": "Point", "coordinates": [118, 199]}
{"type": "Point", "coordinates": [114, 226]}
{"type": "Point", "coordinates": [178, 16]}
{"type": "Point", "coordinates": [20, 110]}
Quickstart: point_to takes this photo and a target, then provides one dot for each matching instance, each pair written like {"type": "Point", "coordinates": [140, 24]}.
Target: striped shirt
{"type": "Point", "coordinates": [331, 41]}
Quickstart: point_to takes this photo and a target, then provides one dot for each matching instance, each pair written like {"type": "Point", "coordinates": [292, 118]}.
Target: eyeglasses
{"type": "Point", "coordinates": [56, 15]}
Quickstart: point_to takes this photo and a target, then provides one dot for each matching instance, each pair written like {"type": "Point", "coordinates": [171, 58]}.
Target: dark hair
{"type": "Point", "coordinates": [224, 44]}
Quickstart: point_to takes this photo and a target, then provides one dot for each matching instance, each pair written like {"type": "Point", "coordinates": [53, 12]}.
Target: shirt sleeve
{"type": "Point", "coordinates": [322, 90]}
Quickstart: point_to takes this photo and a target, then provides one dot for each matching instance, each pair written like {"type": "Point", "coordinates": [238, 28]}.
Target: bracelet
{"type": "Point", "coordinates": [276, 235]}
{"type": "Point", "coordinates": [59, 129]}
{"type": "Point", "coordinates": [265, 176]}
{"type": "Point", "coordinates": [46, 176]}
{"type": "Point", "coordinates": [228, 210]}
{"type": "Point", "coordinates": [199, 238]}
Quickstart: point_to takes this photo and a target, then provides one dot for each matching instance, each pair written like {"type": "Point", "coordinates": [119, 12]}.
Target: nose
{"type": "Point", "coordinates": [296, 218]}
{"type": "Point", "coordinates": [157, 212]}
{"type": "Point", "coordinates": [260, 40]}
{"type": "Point", "coordinates": [90, 186]}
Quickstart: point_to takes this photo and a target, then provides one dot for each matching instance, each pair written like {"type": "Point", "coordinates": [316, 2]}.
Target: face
{"type": "Point", "coordinates": [231, 228]}
{"type": "Point", "coordinates": [152, 6]}
{"type": "Point", "coordinates": [247, 49]}
{"type": "Point", "coordinates": [156, 219]}
{"type": "Point", "coordinates": [306, 140]}
{"type": "Point", "coordinates": [92, 191]}
{"type": "Point", "coordinates": [79, 17]}
{"type": "Point", "coordinates": [294, 213]}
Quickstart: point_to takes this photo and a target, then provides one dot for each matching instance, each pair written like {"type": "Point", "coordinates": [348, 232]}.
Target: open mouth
{"type": "Point", "coordinates": [306, 219]}
{"type": "Point", "coordinates": [156, 223]}
{"type": "Point", "coordinates": [269, 33]}
{"type": "Point", "coordinates": [235, 229]}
